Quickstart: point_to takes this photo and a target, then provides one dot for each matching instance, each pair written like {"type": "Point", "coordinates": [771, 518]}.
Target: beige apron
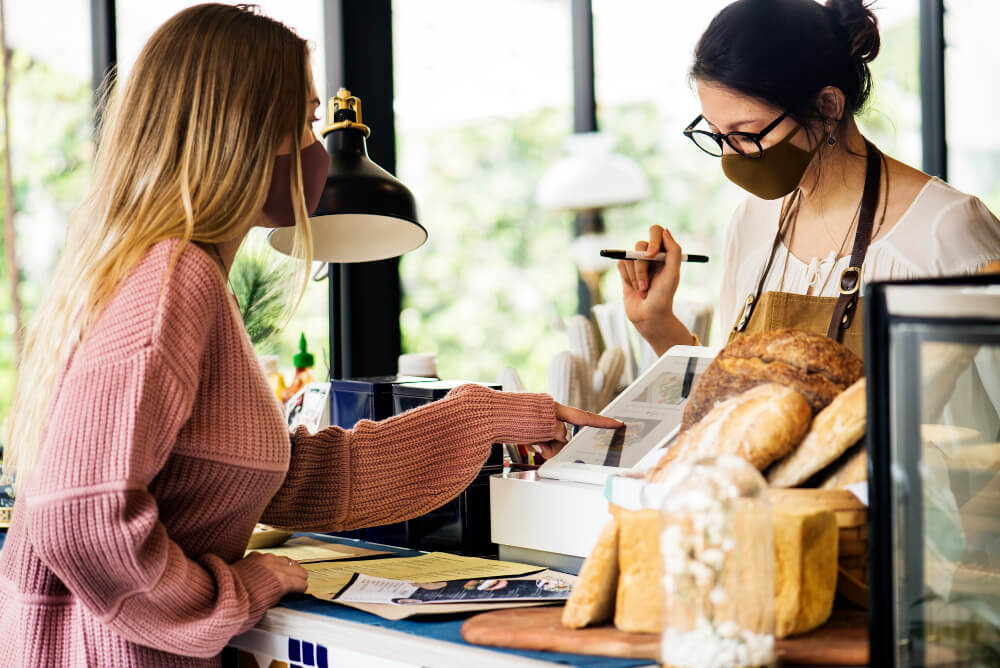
{"type": "Point", "coordinates": [777, 310]}
{"type": "Point", "coordinates": [838, 317]}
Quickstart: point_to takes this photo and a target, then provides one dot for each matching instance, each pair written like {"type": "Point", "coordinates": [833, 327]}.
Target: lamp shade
{"type": "Point", "coordinates": [365, 213]}
{"type": "Point", "coordinates": [592, 176]}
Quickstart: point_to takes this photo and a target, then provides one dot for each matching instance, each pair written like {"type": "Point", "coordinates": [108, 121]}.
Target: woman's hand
{"type": "Point", "coordinates": [648, 289]}
{"type": "Point", "coordinates": [291, 576]}
{"type": "Point", "coordinates": [575, 416]}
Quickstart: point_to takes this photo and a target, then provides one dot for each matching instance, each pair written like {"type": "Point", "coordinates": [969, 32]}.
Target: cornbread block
{"type": "Point", "coordinates": [593, 598]}
{"type": "Point", "coordinates": [639, 604]}
{"type": "Point", "coordinates": [805, 567]}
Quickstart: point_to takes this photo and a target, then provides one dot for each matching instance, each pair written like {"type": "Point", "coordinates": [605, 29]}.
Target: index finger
{"type": "Point", "coordinates": [585, 418]}
{"type": "Point", "coordinates": [655, 240]}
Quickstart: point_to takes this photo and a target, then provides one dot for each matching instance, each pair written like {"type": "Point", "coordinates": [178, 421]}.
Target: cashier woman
{"type": "Point", "coordinates": [144, 436]}
{"type": "Point", "coordinates": [780, 83]}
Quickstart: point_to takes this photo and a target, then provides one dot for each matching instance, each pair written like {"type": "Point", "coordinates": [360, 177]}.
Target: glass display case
{"type": "Point", "coordinates": [933, 367]}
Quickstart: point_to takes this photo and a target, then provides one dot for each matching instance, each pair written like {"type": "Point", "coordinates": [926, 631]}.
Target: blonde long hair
{"type": "Point", "coordinates": [184, 152]}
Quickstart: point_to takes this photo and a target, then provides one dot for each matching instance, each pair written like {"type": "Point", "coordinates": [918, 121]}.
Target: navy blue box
{"type": "Point", "coordinates": [353, 399]}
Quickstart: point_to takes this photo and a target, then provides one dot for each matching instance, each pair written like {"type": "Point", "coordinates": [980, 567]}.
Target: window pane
{"type": "Point", "coordinates": [137, 20]}
{"type": "Point", "coordinates": [892, 119]}
{"type": "Point", "coordinates": [483, 103]}
{"type": "Point", "coordinates": [972, 61]}
{"type": "Point", "coordinates": [51, 132]}
{"type": "Point", "coordinates": [645, 100]}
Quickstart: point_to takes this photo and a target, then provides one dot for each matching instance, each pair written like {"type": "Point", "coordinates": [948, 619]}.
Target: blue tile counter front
{"type": "Point", "coordinates": [448, 630]}
{"type": "Point", "coordinates": [304, 654]}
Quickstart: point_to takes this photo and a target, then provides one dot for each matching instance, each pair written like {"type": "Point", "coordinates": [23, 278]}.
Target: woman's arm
{"type": "Point", "coordinates": [403, 467]}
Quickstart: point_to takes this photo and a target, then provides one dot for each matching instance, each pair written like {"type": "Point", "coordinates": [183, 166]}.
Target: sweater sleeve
{"type": "Point", "coordinates": [405, 466]}
{"type": "Point", "coordinates": [93, 522]}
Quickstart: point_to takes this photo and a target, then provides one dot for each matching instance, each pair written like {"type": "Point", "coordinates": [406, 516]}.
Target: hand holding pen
{"type": "Point", "coordinates": [649, 285]}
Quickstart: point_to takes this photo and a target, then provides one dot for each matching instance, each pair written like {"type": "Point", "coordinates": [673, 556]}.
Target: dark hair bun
{"type": "Point", "coordinates": [860, 25]}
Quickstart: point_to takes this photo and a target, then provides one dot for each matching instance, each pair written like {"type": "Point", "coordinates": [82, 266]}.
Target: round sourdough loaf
{"type": "Point", "coordinates": [816, 366]}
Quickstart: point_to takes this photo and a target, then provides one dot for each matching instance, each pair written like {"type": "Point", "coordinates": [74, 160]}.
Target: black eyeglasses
{"type": "Point", "coordinates": [746, 144]}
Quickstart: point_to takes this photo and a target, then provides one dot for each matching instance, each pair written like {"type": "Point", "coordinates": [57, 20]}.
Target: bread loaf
{"type": "Point", "coordinates": [760, 425]}
{"type": "Point", "coordinates": [817, 366]}
{"type": "Point", "coordinates": [593, 598]}
{"type": "Point", "coordinates": [805, 556]}
{"type": "Point", "coordinates": [805, 567]}
{"type": "Point", "coordinates": [835, 429]}
{"type": "Point", "coordinates": [639, 603]}
{"type": "Point", "coordinates": [851, 468]}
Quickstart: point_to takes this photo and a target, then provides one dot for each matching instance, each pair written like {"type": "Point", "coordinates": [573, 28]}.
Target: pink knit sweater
{"type": "Point", "coordinates": [165, 445]}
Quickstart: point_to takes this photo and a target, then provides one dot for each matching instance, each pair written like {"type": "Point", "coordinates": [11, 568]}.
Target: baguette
{"type": "Point", "coordinates": [835, 429]}
{"type": "Point", "coordinates": [760, 425]}
{"type": "Point", "coordinates": [593, 598]}
{"type": "Point", "coordinates": [850, 469]}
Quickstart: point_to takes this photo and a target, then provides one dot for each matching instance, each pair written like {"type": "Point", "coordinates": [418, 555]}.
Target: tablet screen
{"type": "Point", "coordinates": [651, 409]}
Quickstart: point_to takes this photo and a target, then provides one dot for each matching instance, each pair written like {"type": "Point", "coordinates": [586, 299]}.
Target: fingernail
{"type": "Point", "coordinates": [642, 286]}
{"type": "Point", "coordinates": [536, 448]}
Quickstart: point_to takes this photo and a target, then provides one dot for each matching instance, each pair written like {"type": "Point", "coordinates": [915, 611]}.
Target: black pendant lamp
{"type": "Point", "coordinates": [365, 213]}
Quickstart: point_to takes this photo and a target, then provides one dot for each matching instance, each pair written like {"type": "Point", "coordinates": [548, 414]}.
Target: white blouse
{"type": "Point", "coordinates": [943, 232]}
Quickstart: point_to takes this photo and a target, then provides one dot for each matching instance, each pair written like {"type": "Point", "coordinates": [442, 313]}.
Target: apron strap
{"type": "Point", "coordinates": [787, 214]}
{"type": "Point", "coordinates": [850, 278]}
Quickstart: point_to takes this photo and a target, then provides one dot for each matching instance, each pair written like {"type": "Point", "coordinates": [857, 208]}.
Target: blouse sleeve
{"type": "Point", "coordinates": [966, 238]}
{"type": "Point", "coordinates": [403, 467]}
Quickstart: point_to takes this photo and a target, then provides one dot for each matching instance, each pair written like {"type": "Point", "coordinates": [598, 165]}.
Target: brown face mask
{"type": "Point", "coordinates": [775, 173]}
{"type": "Point", "coordinates": [315, 163]}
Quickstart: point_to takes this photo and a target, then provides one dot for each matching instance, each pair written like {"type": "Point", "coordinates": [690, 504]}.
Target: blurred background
{"type": "Point", "coordinates": [482, 102]}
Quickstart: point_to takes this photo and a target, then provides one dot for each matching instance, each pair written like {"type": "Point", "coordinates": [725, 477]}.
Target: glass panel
{"type": "Point", "coordinates": [51, 134]}
{"type": "Point", "coordinates": [483, 103]}
{"type": "Point", "coordinates": [947, 493]}
{"type": "Point", "coordinates": [971, 61]}
{"type": "Point", "coordinates": [137, 21]}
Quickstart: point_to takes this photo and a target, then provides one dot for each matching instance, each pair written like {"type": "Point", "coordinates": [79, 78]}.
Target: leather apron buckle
{"type": "Point", "coordinates": [850, 280]}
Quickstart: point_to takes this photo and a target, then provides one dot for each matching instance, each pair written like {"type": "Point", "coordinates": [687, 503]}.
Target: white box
{"type": "Point", "coordinates": [551, 523]}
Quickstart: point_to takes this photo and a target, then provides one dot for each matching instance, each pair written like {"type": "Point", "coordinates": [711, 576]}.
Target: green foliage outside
{"type": "Point", "coordinates": [52, 129]}
{"type": "Point", "coordinates": [260, 284]}
{"type": "Point", "coordinates": [495, 278]}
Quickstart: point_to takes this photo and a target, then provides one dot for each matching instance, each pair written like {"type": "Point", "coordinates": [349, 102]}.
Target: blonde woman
{"type": "Point", "coordinates": [144, 436]}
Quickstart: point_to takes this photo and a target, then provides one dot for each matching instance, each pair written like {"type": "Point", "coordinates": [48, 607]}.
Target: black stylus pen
{"type": "Point", "coordinates": [641, 255]}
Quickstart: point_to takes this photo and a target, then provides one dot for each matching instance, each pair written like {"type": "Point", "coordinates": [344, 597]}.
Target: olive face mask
{"type": "Point", "coordinates": [775, 173]}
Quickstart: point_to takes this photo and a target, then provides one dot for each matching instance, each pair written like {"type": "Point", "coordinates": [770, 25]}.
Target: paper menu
{"type": "Point", "coordinates": [305, 550]}
{"type": "Point", "coordinates": [326, 579]}
{"type": "Point", "coordinates": [547, 586]}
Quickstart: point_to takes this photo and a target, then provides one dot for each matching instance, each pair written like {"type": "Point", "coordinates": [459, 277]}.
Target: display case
{"type": "Point", "coordinates": [932, 352]}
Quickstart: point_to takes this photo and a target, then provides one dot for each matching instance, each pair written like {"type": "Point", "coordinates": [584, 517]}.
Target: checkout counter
{"type": "Point", "coordinates": [933, 352]}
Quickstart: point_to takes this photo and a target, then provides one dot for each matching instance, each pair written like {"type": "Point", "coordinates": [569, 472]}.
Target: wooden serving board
{"type": "Point", "coordinates": [843, 641]}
